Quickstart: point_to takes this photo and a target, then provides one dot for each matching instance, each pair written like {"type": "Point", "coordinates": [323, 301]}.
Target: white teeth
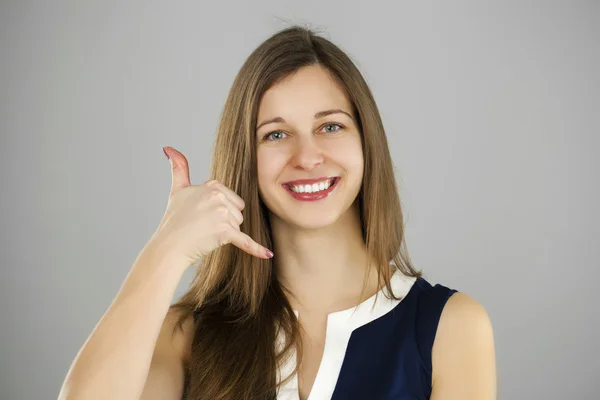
{"type": "Point", "coordinates": [315, 187]}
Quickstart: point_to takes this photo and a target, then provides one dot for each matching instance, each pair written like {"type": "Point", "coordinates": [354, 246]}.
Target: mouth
{"type": "Point", "coordinates": [311, 189]}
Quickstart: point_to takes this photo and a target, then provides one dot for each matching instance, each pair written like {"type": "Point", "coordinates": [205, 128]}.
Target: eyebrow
{"type": "Point", "coordinates": [318, 115]}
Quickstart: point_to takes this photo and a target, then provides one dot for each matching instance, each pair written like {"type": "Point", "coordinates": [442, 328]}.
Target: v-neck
{"type": "Point", "coordinates": [340, 325]}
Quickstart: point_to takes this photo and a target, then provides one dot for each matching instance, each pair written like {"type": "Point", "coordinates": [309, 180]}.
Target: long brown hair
{"type": "Point", "coordinates": [237, 300]}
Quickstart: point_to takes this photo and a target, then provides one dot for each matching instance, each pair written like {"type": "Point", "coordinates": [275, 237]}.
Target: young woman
{"type": "Point", "coordinates": [304, 289]}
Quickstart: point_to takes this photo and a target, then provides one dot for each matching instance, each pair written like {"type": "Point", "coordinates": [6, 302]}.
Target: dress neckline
{"type": "Point", "coordinates": [340, 326]}
{"type": "Point", "coordinates": [396, 276]}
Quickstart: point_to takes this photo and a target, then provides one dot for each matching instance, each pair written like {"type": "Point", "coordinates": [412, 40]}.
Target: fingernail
{"type": "Point", "coordinates": [269, 253]}
{"type": "Point", "coordinates": [164, 151]}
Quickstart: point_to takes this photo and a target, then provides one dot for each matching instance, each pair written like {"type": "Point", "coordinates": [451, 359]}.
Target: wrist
{"type": "Point", "coordinates": [160, 254]}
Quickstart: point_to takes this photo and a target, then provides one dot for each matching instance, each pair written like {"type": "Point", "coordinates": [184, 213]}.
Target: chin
{"type": "Point", "coordinates": [306, 217]}
{"type": "Point", "coordinates": [313, 222]}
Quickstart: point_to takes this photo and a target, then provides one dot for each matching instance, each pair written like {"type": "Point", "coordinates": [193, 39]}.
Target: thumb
{"type": "Point", "coordinates": [180, 171]}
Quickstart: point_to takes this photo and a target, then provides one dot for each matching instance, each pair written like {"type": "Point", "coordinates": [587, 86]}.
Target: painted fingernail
{"type": "Point", "coordinates": [166, 154]}
{"type": "Point", "coordinates": [269, 254]}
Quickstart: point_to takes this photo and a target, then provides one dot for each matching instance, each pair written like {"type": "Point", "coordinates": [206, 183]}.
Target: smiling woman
{"type": "Point", "coordinates": [311, 161]}
{"type": "Point", "coordinates": [336, 310]}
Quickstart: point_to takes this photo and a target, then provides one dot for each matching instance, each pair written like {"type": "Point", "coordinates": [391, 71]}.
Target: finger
{"type": "Point", "coordinates": [246, 243]}
{"type": "Point", "coordinates": [228, 212]}
{"type": "Point", "coordinates": [235, 214]}
{"type": "Point", "coordinates": [234, 223]}
{"type": "Point", "coordinates": [230, 194]}
{"type": "Point", "coordinates": [180, 170]}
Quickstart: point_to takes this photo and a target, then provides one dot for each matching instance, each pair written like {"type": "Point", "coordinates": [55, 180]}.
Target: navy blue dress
{"type": "Point", "coordinates": [380, 350]}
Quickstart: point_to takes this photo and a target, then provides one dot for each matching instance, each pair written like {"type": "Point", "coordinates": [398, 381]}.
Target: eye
{"type": "Point", "coordinates": [272, 134]}
{"type": "Point", "coordinates": [330, 124]}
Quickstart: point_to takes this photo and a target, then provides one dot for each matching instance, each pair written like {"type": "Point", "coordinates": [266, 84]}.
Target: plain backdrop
{"type": "Point", "coordinates": [492, 113]}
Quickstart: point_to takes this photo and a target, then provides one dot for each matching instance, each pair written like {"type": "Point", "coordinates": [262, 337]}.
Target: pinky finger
{"type": "Point", "coordinates": [246, 243]}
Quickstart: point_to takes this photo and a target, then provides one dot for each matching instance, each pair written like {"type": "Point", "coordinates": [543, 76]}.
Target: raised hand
{"type": "Point", "coordinates": [201, 218]}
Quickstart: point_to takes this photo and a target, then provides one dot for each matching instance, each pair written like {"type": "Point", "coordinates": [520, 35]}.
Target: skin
{"type": "Point", "coordinates": [319, 247]}
{"type": "Point", "coordinates": [321, 256]}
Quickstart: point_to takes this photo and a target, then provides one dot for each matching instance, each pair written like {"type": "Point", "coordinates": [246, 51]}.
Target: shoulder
{"type": "Point", "coordinates": [464, 310]}
{"type": "Point", "coordinates": [463, 355]}
{"type": "Point", "coordinates": [176, 335]}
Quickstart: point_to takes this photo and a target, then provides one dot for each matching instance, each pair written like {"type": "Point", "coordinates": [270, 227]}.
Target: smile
{"type": "Point", "coordinates": [311, 189]}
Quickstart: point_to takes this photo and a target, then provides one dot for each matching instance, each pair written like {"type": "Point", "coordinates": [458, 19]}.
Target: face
{"type": "Point", "coordinates": [309, 157]}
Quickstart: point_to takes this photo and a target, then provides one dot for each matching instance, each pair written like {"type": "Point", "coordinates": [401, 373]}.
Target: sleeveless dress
{"type": "Point", "coordinates": [378, 350]}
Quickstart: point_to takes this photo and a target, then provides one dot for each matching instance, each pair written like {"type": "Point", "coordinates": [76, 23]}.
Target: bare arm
{"type": "Point", "coordinates": [115, 360]}
{"type": "Point", "coordinates": [463, 355]}
{"type": "Point", "coordinates": [128, 355]}
{"type": "Point", "coordinates": [166, 377]}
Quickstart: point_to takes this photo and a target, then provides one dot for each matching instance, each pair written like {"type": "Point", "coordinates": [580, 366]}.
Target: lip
{"type": "Point", "coordinates": [309, 181]}
{"type": "Point", "coordinates": [311, 196]}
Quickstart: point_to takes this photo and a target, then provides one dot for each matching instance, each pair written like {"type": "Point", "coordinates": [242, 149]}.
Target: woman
{"type": "Point", "coordinates": [301, 166]}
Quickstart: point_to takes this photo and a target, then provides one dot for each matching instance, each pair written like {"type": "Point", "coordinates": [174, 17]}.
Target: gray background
{"type": "Point", "coordinates": [492, 113]}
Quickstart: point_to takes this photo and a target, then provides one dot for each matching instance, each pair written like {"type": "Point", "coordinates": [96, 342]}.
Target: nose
{"type": "Point", "coordinates": [307, 153]}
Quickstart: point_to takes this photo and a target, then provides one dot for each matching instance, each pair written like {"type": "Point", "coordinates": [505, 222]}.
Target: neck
{"type": "Point", "coordinates": [323, 268]}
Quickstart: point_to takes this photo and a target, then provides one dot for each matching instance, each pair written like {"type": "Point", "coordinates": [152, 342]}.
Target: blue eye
{"type": "Point", "coordinates": [333, 124]}
{"type": "Point", "coordinates": [266, 137]}
{"type": "Point", "coordinates": [271, 138]}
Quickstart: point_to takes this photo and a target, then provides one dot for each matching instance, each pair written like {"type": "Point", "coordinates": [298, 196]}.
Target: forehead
{"type": "Point", "coordinates": [303, 93]}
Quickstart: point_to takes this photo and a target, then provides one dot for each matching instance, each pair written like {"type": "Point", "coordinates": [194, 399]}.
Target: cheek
{"type": "Point", "coordinates": [269, 164]}
{"type": "Point", "coordinates": [349, 155]}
